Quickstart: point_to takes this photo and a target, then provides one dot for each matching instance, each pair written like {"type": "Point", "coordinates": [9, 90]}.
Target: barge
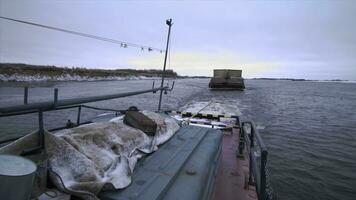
{"type": "Point", "coordinates": [227, 79]}
{"type": "Point", "coordinates": [208, 157]}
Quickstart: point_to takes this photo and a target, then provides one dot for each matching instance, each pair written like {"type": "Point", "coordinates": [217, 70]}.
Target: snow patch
{"type": "Point", "coordinates": [213, 107]}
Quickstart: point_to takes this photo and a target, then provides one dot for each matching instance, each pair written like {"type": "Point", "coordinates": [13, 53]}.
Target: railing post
{"type": "Point", "coordinates": [252, 136]}
{"type": "Point", "coordinates": [79, 113]}
{"type": "Point", "coordinates": [41, 129]}
{"type": "Point", "coordinates": [263, 175]}
{"type": "Point", "coordinates": [241, 140]}
{"type": "Point", "coordinates": [252, 144]}
{"type": "Point", "coordinates": [153, 87]}
{"type": "Point", "coordinates": [25, 96]}
{"type": "Point", "coordinates": [55, 98]}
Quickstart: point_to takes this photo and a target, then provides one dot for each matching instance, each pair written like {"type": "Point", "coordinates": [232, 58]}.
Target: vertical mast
{"type": "Point", "coordinates": [169, 23]}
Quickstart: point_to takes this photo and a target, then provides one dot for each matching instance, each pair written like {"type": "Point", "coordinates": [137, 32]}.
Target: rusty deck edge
{"type": "Point", "coordinates": [232, 177]}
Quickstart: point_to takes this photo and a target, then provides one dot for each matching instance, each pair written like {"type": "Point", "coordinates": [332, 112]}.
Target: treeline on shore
{"type": "Point", "coordinates": [25, 70]}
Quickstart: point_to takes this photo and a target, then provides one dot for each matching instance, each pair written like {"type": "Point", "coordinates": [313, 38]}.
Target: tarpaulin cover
{"type": "Point", "coordinates": [101, 156]}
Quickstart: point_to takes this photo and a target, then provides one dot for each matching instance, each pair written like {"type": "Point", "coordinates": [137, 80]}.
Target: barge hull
{"type": "Point", "coordinates": [196, 163]}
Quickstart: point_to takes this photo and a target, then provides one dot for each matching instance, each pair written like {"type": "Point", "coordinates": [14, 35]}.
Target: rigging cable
{"type": "Point", "coordinates": [121, 43]}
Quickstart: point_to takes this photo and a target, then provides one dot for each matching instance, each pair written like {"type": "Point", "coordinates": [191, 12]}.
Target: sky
{"type": "Point", "coordinates": [274, 39]}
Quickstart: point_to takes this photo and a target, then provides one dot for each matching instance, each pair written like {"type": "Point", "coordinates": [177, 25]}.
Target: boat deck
{"type": "Point", "coordinates": [197, 163]}
{"type": "Point", "coordinates": [182, 168]}
{"type": "Point", "coordinates": [232, 176]}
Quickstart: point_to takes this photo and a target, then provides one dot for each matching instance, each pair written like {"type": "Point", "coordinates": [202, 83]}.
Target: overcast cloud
{"type": "Point", "coordinates": [301, 39]}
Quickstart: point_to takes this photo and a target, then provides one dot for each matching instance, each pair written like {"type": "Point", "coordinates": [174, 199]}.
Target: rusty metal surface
{"type": "Point", "coordinates": [232, 176]}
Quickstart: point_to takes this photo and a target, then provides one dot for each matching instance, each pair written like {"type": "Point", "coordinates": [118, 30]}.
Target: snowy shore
{"type": "Point", "coordinates": [18, 72]}
{"type": "Point", "coordinates": [67, 77]}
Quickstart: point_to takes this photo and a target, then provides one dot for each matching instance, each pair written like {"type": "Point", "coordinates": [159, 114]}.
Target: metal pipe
{"type": "Point", "coordinates": [28, 151]}
{"type": "Point", "coordinates": [260, 141]}
{"type": "Point", "coordinates": [257, 136]}
{"type": "Point", "coordinates": [62, 108]}
{"type": "Point", "coordinates": [45, 106]}
{"type": "Point", "coordinates": [260, 175]}
{"type": "Point", "coordinates": [169, 23]}
{"type": "Point", "coordinates": [252, 137]}
{"type": "Point", "coordinates": [36, 111]}
{"type": "Point", "coordinates": [172, 86]}
{"type": "Point", "coordinates": [241, 142]}
{"type": "Point", "coordinates": [250, 152]}
{"type": "Point", "coordinates": [250, 181]}
{"type": "Point", "coordinates": [105, 109]}
{"type": "Point", "coordinates": [256, 173]}
{"type": "Point", "coordinates": [241, 147]}
{"type": "Point", "coordinates": [25, 96]}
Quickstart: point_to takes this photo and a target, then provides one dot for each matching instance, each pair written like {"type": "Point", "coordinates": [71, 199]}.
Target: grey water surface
{"type": "Point", "coordinates": [309, 127]}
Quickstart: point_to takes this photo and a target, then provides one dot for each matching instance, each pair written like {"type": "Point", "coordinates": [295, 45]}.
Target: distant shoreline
{"type": "Point", "coordinates": [305, 80]}
{"type": "Point", "coordinates": [18, 72]}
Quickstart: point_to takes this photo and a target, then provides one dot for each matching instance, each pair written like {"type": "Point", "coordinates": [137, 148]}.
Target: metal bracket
{"type": "Point", "coordinates": [169, 89]}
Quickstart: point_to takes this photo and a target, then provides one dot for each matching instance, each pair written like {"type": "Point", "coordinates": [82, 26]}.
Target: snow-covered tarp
{"type": "Point", "coordinates": [101, 156]}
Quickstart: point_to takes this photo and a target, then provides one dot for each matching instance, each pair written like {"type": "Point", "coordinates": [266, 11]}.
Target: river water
{"type": "Point", "coordinates": [309, 127]}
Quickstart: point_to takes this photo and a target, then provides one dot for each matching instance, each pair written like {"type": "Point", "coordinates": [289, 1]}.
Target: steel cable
{"type": "Point", "coordinates": [121, 43]}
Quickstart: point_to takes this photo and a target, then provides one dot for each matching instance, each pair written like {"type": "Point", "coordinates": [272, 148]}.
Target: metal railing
{"type": "Point", "coordinates": [257, 151]}
{"type": "Point", "coordinates": [57, 104]}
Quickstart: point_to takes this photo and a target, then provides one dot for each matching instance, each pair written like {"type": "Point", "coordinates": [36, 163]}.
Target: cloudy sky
{"type": "Point", "coordinates": [295, 39]}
